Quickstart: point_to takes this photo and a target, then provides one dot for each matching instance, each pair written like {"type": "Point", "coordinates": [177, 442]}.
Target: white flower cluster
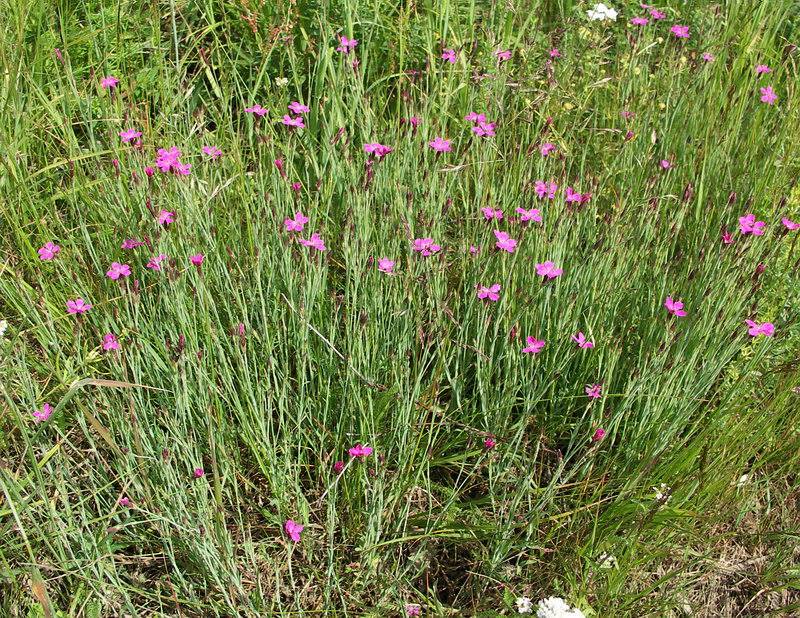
{"type": "Point", "coordinates": [554, 607]}
{"type": "Point", "coordinates": [601, 12]}
{"type": "Point", "coordinates": [3, 328]}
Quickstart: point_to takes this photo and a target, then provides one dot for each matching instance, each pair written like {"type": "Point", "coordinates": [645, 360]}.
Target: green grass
{"type": "Point", "coordinates": [334, 352]}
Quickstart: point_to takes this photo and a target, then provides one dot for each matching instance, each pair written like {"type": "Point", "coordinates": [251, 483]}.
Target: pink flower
{"type": "Point", "coordinates": [439, 144]}
{"type": "Point", "coordinates": [505, 242]}
{"type": "Point", "coordinates": [110, 342]}
{"type": "Point", "coordinates": [599, 433]}
{"type": "Point", "coordinates": [727, 237]}
{"type": "Point", "coordinates": [42, 415]}
{"type": "Point", "coordinates": [131, 243]}
{"type": "Point", "coordinates": [293, 529]}
{"type": "Point", "coordinates": [165, 217]}
{"type": "Point", "coordinates": [581, 340]}
{"type": "Point", "coordinates": [534, 345]}
{"type": "Point", "coordinates": [169, 160]}
{"type": "Point", "coordinates": [675, 307]}
{"type": "Point", "coordinates": [199, 473]}
{"type": "Point", "coordinates": [665, 164]}
{"type": "Point", "coordinates": [360, 450]}
{"type": "Point", "coordinates": [118, 270]}
{"type": "Point", "coordinates": [545, 189]}
{"type": "Point", "coordinates": [484, 129]}
{"type": "Point", "coordinates": [425, 246]}
{"type": "Point", "coordinates": [789, 224]}
{"type": "Point", "coordinates": [48, 251]}
{"type": "Point", "coordinates": [212, 151]}
{"type": "Point", "coordinates": [377, 150]}
{"type": "Point", "coordinates": [708, 57]}
{"type": "Point", "coordinates": [546, 148]}
{"type": "Point", "coordinates": [298, 108]}
{"type": "Point", "coordinates": [109, 82]}
{"type": "Point", "coordinates": [475, 117]}
{"type": "Point", "coordinates": [755, 329]}
{"type": "Point", "coordinates": [338, 467]}
{"type": "Point", "coordinates": [502, 55]}
{"type": "Point", "coordinates": [385, 265]}
{"type": "Point", "coordinates": [574, 196]}
{"type": "Point", "coordinates": [129, 135]}
{"type": "Point", "coordinates": [762, 69]}
{"type": "Point", "coordinates": [749, 225]}
{"type": "Point", "coordinates": [78, 306]}
{"type": "Point", "coordinates": [297, 121]}
{"type": "Point", "coordinates": [768, 95]}
{"type": "Point", "coordinates": [593, 391]}
{"type": "Point", "coordinates": [656, 14]}
{"type": "Point", "coordinates": [296, 224]}
{"type": "Point", "coordinates": [314, 242]}
{"type": "Point", "coordinates": [681, 32]}
{"type": "Point", "coordinates": [346, 45]}
{"type": "Point", "coordinates": [489, 443]}
{"type": "Point", "coordinates": [257, 110]}
{"type": "Point", "coordinates": [450, 55]}
{"type": "Point", "coordinates": [279, 165]}
{"type": "Point", "coordinates": [554, 53]}
{"type": "Point", "coordinates": [413, 609]}
{"type": "Point", "coordinates": [149, 171]}
{"type": "Point", "coordinates": [491, 213]}
{"type": "Point", "coordinates": [548, 270]}
{"type": "Point", "coordinates": [640, 21]}
{"type": "Point", "coordinates": [155, 262]}
{"type": "Point", "coordinates": [492, 292]}
{"type": "Point", "coordinates": [474, 250]}
{"type": "Point", "coordinates": [529, 215]}
{"type": "Point", "coordinates": [124, 502]}
{"type": "Point", "coordinates": [296, 187]}
{"type": "Point", "coordinates": [197, 259]}
{"type": "Point", "coordinates": [414, 121]}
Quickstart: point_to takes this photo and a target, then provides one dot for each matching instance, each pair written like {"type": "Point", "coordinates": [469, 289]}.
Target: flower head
{"type": "Point", "coordinates": [548, 270]}
{"type": "Point", "coordinates": [199, 473]}
{"type": "Point", "coordinates": [505, 242]}
{"type": "Point", "coordinates": [450, 55]}
{"type": "Point", "coordinates": [314, 242]}
{"type": "Point", "coordinates": [385, 265]}
{"type": "Point", "coordinates": [762, 69]}
{"type": "Point", "coordinates": [680, 32]}
{"type": "Point", "coordinates": [529, 215]}
{"type": "Point", "coordinates": [165, 217]}
{"type": "Point", "coordinates": [425, 246]}
{"type": "Point", "coordinates": [640, 21]}
{"type": "Point", "coordinates": [297, 224]}
{"type": "Point", "coordinates": [296, 122]}
{"type": "Point", "coordinates": [581, 340]}
{"type": "Point", "coordinates": [42, 415]}
{"type": "Point", "coordinates": [346, 45]}
{"type": "Point", "coordinates": [524, 605]}
{"type": "Point", "coordinates": [168, 160]}
{"type": "Point", "coordinates": [534, 345]}
{"type": "Point", "coordinates": [675, 307]}
{"type": "Point", "coordinates": [593, 391]}
{"type": "Point", "coordinates": [413, 609]}
{"type": "Point", "coordinates": [118, 270]}
{"type": "Point", "coordinates": [599, 434]}
{"type": "Point", "coordinates": [128, 135]}
{"type": "Point", "coordinates": [109, 82]}
{"type": "Point", "coordinates": [484, 129]}
{"type": "Point", "coordinates": [755, 329]}
{"type": "Point", "coordinates": [154, 263]}
{"type": "Point", "coordinates": [657, 15]}
{"type": "Point", "coordinates": [554, 607]}
{"type": "Point", "coordinates": [475, 117]}
{"type": "Point", "coordinates": [490, 213]}
{"type": "Point", "coordinates": [212, 151]}
{"type": "Point", "coordinates": [708, 57]}
{"type": "Point", "coordinates": [789, 224]}
{"type": "Point", "coordinates": [546, 148]}
{"type": "Point", "coordinates": [749, 225]}
{"type": "Point", "coordinates": [298, 108]}
{"type": "Point", "coordinates": [502, 55]}
{"type": "Point", "coordinates": [491, 293]}
{"type": "Point", "coordinates": [768, 95]}
{"type": "Point", "coordinates": [197, 259]}
{"type": "Point", "coordinates": [48, 251]}
{"type": "Point", "coordinates": [256, 110]}
{"type": "Point", "coordinates": [360, 450]}
{"type": "Point", "coordinates": [78, 306]}
{"type": "Point", "coordinates": [439, 144]}
{"type": "Point", "coordinates": [554, 53]}
{"type": "Point", "coordinates": [110, 342]}
{"type": "Point", "coordinates": [545, 189]}
{"type": "Point", "coordinates": [489, 443]}
{"type": "Point", "coordinates": [293, 529]}
{"type": "Point", "coordinates": [601, 12]}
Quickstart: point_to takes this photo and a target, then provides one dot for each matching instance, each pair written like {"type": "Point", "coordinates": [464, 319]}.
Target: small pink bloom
{"type": "Point", "coordinates": [484, 129]}
{"type": "Point", "coordinates": [762, 69]}
{"type": "Point", "coordinates": [296, 224]}
{"type": "Point", "coordinates": [665, 164]}
{"type": "Point", "coordinates": [657, 15]}
{"type": "Point", "coordinates": [505, 242]}
{"type": "Point", "coordinates": [110, 342]}
{"type": "Point", "coordinates": [768, 95]}
{"type": "Point", "coordinates": [439, 144]}
{"type": "Point", "coordinates": [131, 243]}
{"type": "Point", "coordinates": [425, 246]}
{"type": "Point", "coordinates": [474, 117]}
{"type": "Point", "coordinates": [42, 415]}
{"type": "Point", "coordinates": [727, 237]}
{"type": "Point", "coordinates": [450, 55]}
{"type": "Point", "coordinates": [675, 307]}
{"type": "Point", "coordinates": [165, 217]}
{"type": "Point", "coordinates": [124, 502]}
{"type": "Point", "coordinates": [199, 473]}
{"type": "Point", "coordinates": [129, 135]}
{"type": "Point", "coordinates": [554, 53]}
{"type": "Point", "coordinates": [346, 45]}
{"type": "Point", "coordinates": [377, 150]}
{"type": "Point", "coordinates": [474, 250]}
{"type": "Point", "coordinates": [640, 21]}
{"type": "Point", "coordinates": [789, 224]}
{"type": "Point", "coordinates": [118, 270]}
{"type": "Point", "coordinates": [296, 187]}
{"type": "Point", "coordinates": [212, 151]}
{"type": "Point", "coordinates": [548, 270]}
{"type": "Point", "coordinates": [581, 340]}
{"type": "Point", "coordinates": [338, 467]}
{"type": "Point", "coordinates": [293, 122]}
{"type": "Point", "coordinates": [599, 433]}
{"type": "Point", "coordinates": [360, 450]}
{"type": "Point", "coordinates": [109, 82]}
{"type": "Point", "coordinates": [529, 215]}
{"type": "Point", "coordinates": [293, 529]}
{"type": "Point", "coordinates": [279, 165]}
{"type": "Point", "coordinates": [708, 57]}
{"type": "Point", "coordinates": [298, 108]}
{"type": "Point", "coordinates": [78, 306]}
{"type": "Point", "coordinates": [755, 329]}
{"type": "Point", "coordinates": [48, 251]}
{"type": "Point", "coordinates": [257, 110]}
{"type": "Point", "coordinates": [546, 148]}
{"type": "Point", "coordinates": [491, 293]}
{"type": "Point", "coordinates": [593, 390]}
{"type": "Point", "coordinates": [502, 55]}
{"type": "Point", "coordinates": [197, 259]}
{"type": "Point", "coordinates": [749, 225]}
{"type": "Point", "coordinates": [545, 189]}
{"type": "Point", "coordinates": [680, 32]}
{"type": "Point", "coordinates": [413, 609]}
{"type": "Point", "coordinates": [149, 171]}
{"type": "Point", "coordinates": [314, 242]}
{"type": "Point", "coordinates": [491, 213]}
{"type": "Point", "coordinates": [385, 265]}
{"type": "Point", "coordinates": [155, 262]}
{"type": "Point", "coordinates": [534, 345]}
{"type": "Point", "coordinates": [489, 443]}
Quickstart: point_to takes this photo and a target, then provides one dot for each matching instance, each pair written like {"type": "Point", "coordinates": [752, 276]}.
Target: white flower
{"type": "Point", "coordinates": [607, 561]}
{"type": "Point", "coordinates": [601, 12]}
{"type": "Point", "coordinates": [742, 480]}
{"type": "Point", "coordinates": [3, 328]}
{"type": "Point", "coordinates": [524, 605]}
{"type": "Point", "coordinates": [554, 607]}
{"type": "Point", "coordinates": [282, 82]}
{"type": "Point", "coordinates": [662, 492]}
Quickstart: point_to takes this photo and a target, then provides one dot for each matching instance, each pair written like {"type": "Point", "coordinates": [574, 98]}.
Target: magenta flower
{"type": "Point", "coordinates": [110, 342]}
{"type": "Point", "coordinates": [450, 55]}
{"type": "Point", "coordinates": [118, 270]}
{"type": "Point", "coordinates": [789, 224]}
{"type": "Point", "coordinates": [385, 265]}
{"type": "Point", "coordinates": [346, 45]}
{"type": "Point", "coordinates": [505, 242]}
{"type": "Point", "coordinates": [48, 251]}
{"type": "Point", "coordinates": [360, 450]}
{"type": "Point", "coordinates": [554, 53]}
{"type": "Point", "coordinates": [657, 15]}
{"type": "Point", "coordinates": [293, 529]}
{"type": "Point", "coordinates": [439, 144]}
{"type": "Point", "coordinates": [727, 237]}
{"type": "Point", "coordinates": [298, 108]}
{"type": "Point", "coordinates": [484, 129]}
{"type": "Point", "coordinates": [165, 217]}
{"type": "Point", "coordinates": [279, 165]}
{"type": "Point", "coordinates": [256, 110]}
{"type": "Point", "coordinates": [581, 340]}
{"type": "Point", "coordinates": [492, 213]}
{"type": "Point", "coordinates": [680, 32]}
{"type": "Point", "coordinates": [599, 433]}
{"type": "Point", "coordinates": [212, 151]}
{"type": "Point", "coordinates": [529, 215]}
{"type": "Point", "coordinates": [42, 415]}
{"type": "Point", "coordinates": [489, 443]}
{"type": "Point", "coordinates": [546, 148]}
{"type": "Point", "coordinates": [155, 262]}
{"type": "Point", "coordinates": [377, 150]}
{"type": "Point", "coordinates": [755, 329]}
{"type": "Point", "coordinates": [78, 306]}
{"type": "Point", "coordinates": [593, 391]}
{"type": "Point", "coordinates": [131, 243]}
{"type": "Point", "coordinates": [128, 135]}
{"type": "Point", "coordinates": [314, 242]}
{"type": "Point", "coordinates": [474, 250]}
{"type": "Point", "coordinates": [534, 345]}
{"type": "Point", "coordinates": [640, 21]}
{"type": "Point", "coordinates": [338, 467]}
{"type": "Point", "coordinates": [413, 609]}
{"type": "Point", "coordinates": [768, 95]}
{"type": "Point", "coordinates": [762, 69]}
{"type": "Point", "coordinates": [297, 121]}
{"type": "Point", "coordinates": [109, 82]}
{"type": "Point", "coordinates": [296, 224]}
{"type": "Point", "coordinates": [491, 293]}
{"type": "Point", "coordinates": [124, 502]}
{"type": "Point", "coordinates": [548, 270]}
{"type": "Point", "coordinates": [296, 187]}
{"type": "Point", "coordinates": [749, 225]}
{"type": "Point", "coordinates": [475, 117]}
{"type": "Point", "coordinates": [197, 259]}
{"type": "Point", "coordinates": [574, 196]}
{"type": "Point", "coordinates": [545, 189]}
{"type": "Point", "coordinates": [675, 307]}
{"type": "Point", "coordinates": [199, 473]}
{"type": "Point", "coordinates": [169, 160]}
{"type": "Point", "coordinates": [665, 164]}
{"type": "Point", "coordinates": [708, 57]}
{"type": "Point", "coordinates": [502, 55]}
{"type": "Point", "coordinates": [425, 246]}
